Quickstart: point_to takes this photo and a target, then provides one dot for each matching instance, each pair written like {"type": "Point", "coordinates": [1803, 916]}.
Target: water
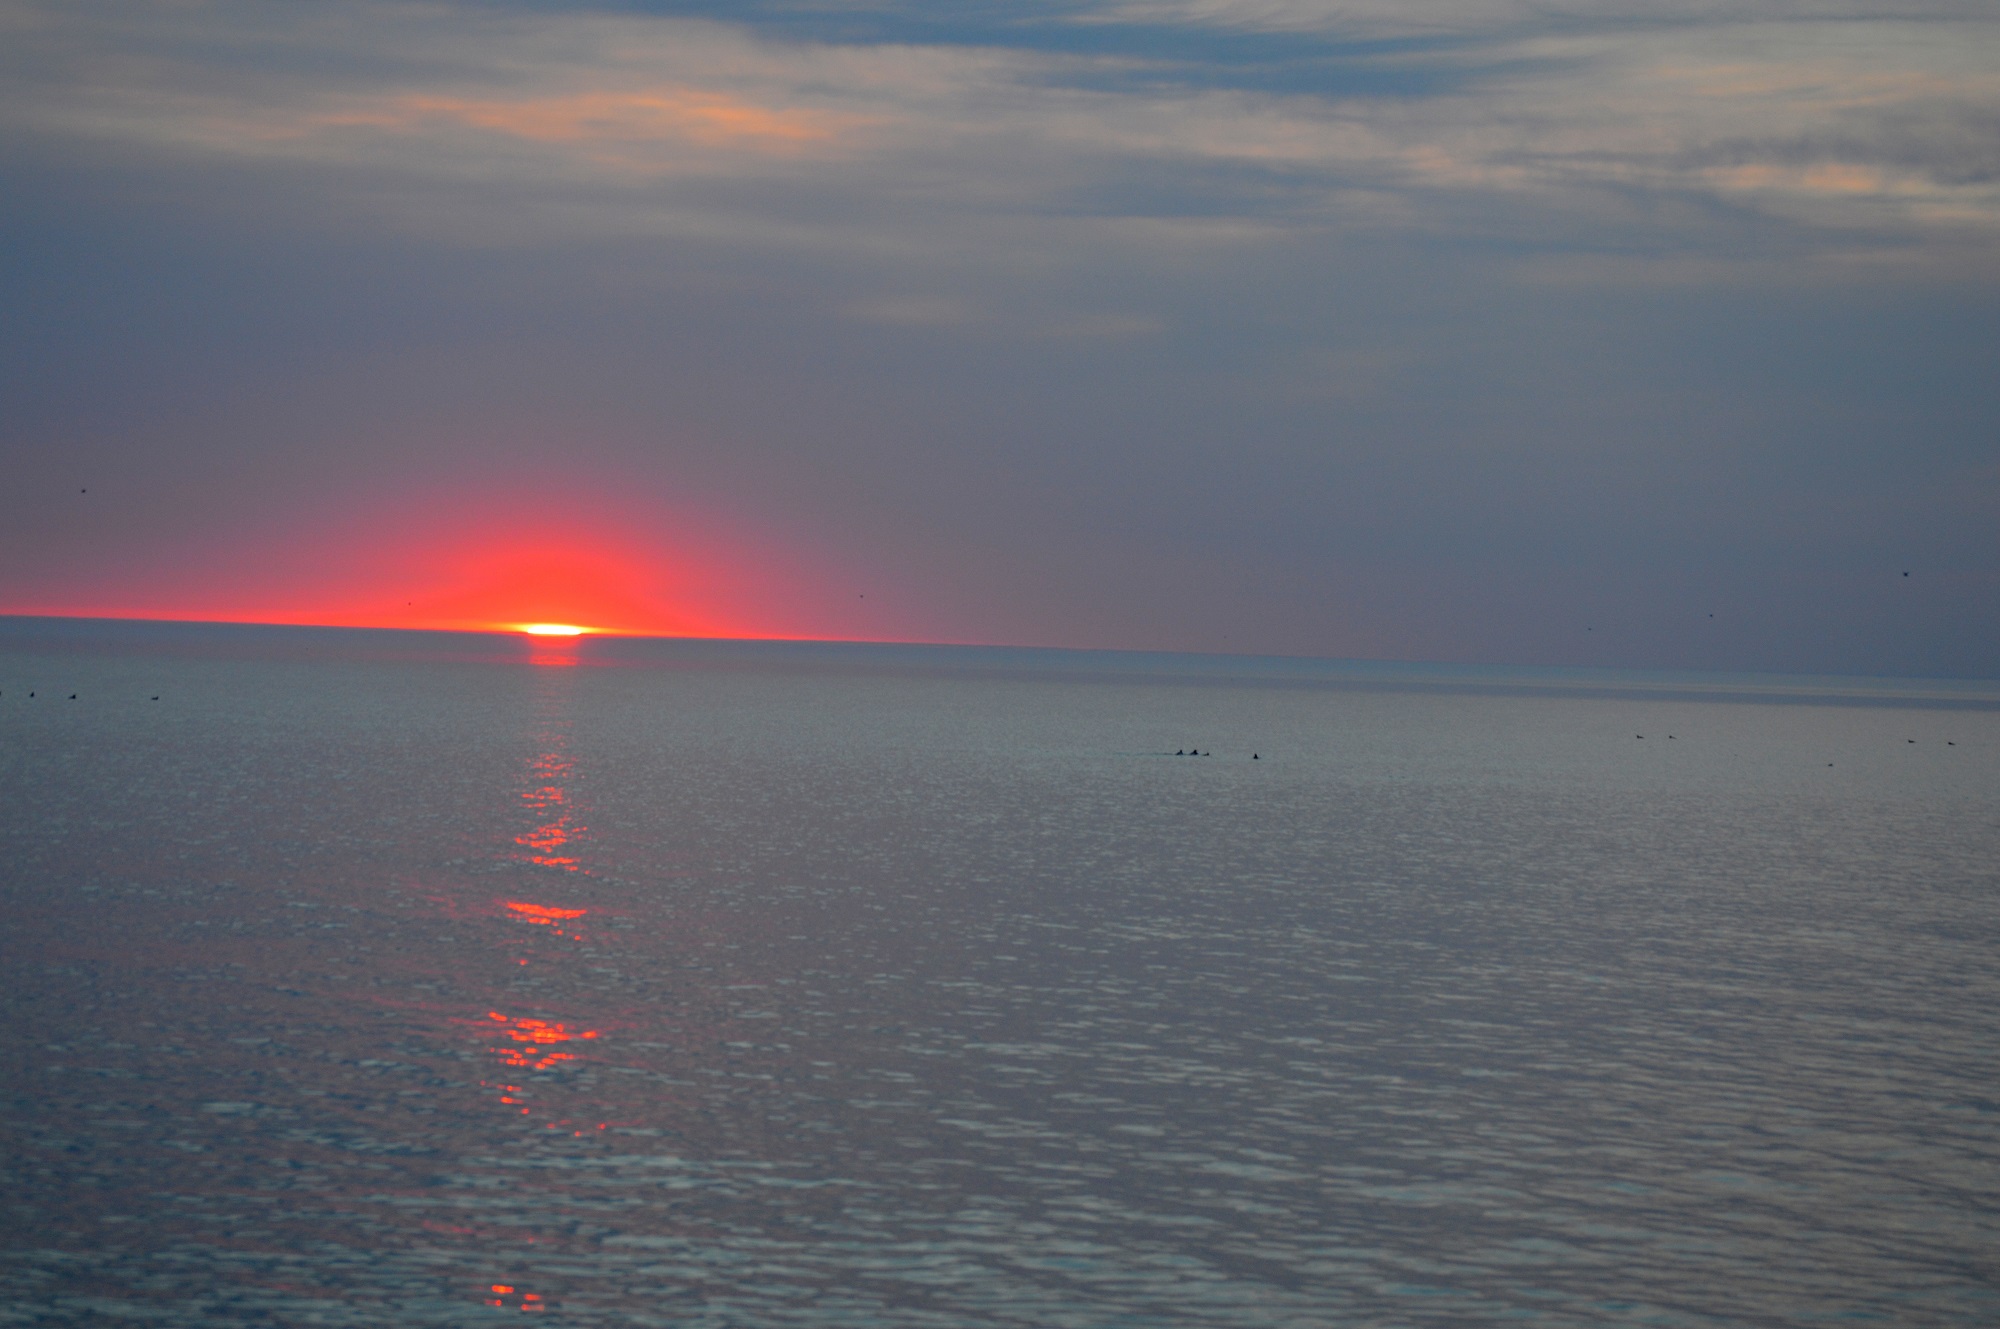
{"type": "Point", "coordinates": [372, 979]}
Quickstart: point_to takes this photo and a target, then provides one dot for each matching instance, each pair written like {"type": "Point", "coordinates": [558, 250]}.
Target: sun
{"type": "Point", "coordinates": [553, 629]}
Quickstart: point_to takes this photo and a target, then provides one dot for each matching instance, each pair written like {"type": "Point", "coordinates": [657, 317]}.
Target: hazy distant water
{"type": "Point", "coordinates": [372, 979]}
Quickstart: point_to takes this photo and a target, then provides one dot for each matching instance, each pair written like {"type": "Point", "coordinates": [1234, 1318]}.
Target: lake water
{"type": "Point", "coordinates": [394, 979]}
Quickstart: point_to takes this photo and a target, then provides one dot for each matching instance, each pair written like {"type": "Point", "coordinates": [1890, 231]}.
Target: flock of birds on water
{"type": "Point", "coordinates": [1192, 752]}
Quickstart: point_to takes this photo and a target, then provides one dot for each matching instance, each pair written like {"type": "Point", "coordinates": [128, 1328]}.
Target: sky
{"type": "Point", "coordinates": [1572, 332]}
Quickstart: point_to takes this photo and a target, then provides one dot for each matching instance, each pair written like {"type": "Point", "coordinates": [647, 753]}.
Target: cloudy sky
{"type": "Point", "coordinates": [1585, 332]}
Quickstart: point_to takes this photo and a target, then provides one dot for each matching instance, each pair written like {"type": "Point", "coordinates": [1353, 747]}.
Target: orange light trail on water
{"type": "Point", "coordinates": [547, 915]}
{"type": "Point", "coordinates": [550, 842]}
{"type": "Point", "coordinates": [527, 1301]}
{"type": "Point", "coordinates": [537, 1041]}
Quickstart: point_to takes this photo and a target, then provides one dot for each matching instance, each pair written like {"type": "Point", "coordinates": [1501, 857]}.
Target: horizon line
{"type": "Point", "coordinates": [517, 632]}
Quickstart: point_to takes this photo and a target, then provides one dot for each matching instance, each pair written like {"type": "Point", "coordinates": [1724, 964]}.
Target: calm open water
{"type": "Point", "coordinates": [392, 979]}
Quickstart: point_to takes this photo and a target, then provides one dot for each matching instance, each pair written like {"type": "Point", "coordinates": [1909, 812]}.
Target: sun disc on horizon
{"type": "Point", "coordinates": [553, 630]}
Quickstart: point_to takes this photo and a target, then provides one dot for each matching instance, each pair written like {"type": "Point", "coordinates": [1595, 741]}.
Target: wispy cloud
{"type": "Point", "coordinates": [1473, 19]}
{"type": "Point", "coordinates": [601, 121]}
{"type": "Point", "coordinates": [1522, 121]}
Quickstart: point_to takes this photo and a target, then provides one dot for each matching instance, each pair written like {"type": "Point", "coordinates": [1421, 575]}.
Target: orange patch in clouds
{"type": "Point", "coordinates": [667, 114]}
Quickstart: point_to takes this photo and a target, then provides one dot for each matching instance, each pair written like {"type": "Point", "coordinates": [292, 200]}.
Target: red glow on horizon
{"type": "Point", "coordinates": [553, 588]}
{"type": "Point", "coordinates": [551, 567]}
{"type": "Point", "coordinates": [548, 566]}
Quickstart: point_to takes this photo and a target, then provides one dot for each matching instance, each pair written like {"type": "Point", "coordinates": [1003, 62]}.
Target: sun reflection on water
{"type": "Point", "coordinates": [534, 1044]}
{"type": "Point", "coordinates": [556, 651]}
{"type": "Point", "coordinates": [533, 1051]}
{"type": "Point", "coordinates": [506, 1295]}
{"type": "Point", "coordinates": [543, 915]}
{"type": "Point", "coordinates": [538, 1044]}
{"type": "Point", "coordinates": [548, 799]}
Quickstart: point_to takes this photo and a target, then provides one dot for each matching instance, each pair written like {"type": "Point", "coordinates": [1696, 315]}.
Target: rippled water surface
{"type": "Point", "coordinates": [380, 980]}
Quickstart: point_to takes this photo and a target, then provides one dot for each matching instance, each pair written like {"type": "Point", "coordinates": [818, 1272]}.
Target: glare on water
{"type": "Point", "coordinates": [396, 983]}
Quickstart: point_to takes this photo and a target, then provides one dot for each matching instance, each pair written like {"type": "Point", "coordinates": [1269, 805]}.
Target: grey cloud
{"type": "Point", "coordinates": [693, 129]}
{"type": "Point", "coordinates": [1587, 312]}
{"type": "Point", "coordinates": [1474, 18]}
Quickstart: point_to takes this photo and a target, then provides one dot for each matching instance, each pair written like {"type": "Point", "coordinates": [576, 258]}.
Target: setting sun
{"type": "Point", "coordinates": [552, 630]}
